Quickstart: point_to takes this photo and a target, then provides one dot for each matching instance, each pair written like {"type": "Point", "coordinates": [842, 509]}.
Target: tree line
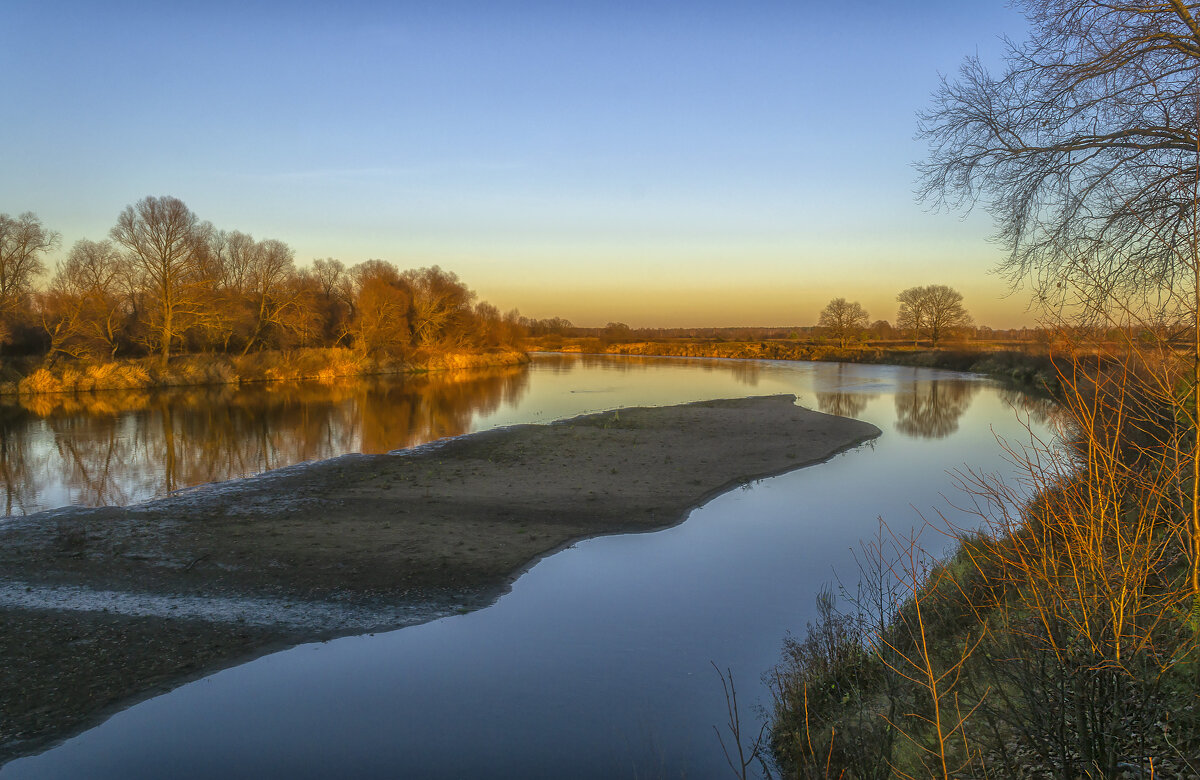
{"type": "Point", "coordinates": [165, 282]}
{"type": "Point", "coordinates": [932, 311]}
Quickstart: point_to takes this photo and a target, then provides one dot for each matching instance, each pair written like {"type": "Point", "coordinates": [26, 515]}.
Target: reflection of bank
{"type": "Point", "coordinates": [556, 362]}
{"type": "Point", "coordinates": [746, 372]}
{"type": "Point", "coordinates": [930, 409]}
{"type": "Point", "coordinates": [115, 448]}
{"type": "Point", "coordinates": [1040, 410]}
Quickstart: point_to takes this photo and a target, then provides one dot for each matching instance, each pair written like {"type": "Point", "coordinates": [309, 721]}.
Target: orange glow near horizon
{"type": "Point", "coordinates": [751, 306]}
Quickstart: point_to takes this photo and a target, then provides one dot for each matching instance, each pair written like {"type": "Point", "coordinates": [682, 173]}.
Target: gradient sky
{"type": "Point", "coordinates": [659, 163]}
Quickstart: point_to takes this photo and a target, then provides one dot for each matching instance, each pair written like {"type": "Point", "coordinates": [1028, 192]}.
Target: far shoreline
{"type": "Point", "coordinates": [1029, 370]}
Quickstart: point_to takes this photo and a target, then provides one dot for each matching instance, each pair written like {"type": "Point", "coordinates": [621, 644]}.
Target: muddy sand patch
{"type": "Point", "coordinates": [104, 606]}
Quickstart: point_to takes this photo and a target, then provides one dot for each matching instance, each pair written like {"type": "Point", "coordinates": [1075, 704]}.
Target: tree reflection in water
{"type": "Point", "coordinates": [115, 448]}
{"type": "Point", "coordinates": [92, 463]}
{"type": "Point", "coordinates": [838, 392]}
{"type": "Point", "coordinates": [746, 372]}
{"type": "Point", "coordinates": [843, 404]}
{"type": "Point", "coordinates": [931, 408]}
{"type": "Point", "coordinates": [17, 463]}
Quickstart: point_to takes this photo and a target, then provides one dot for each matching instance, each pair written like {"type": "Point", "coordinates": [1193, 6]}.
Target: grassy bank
{"type": "Point", "coordinates": [1027, 366]}
{"type": "Point", "coordinates": [274, 366]}
{"type": "Point", "coordinates": [1061, 639]}
{"type": "Point", "coordinates": [965, 679]}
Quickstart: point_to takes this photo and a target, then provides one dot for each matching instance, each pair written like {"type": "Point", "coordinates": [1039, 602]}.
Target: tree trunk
{"type": "Point", "coordinates": [165, 346]}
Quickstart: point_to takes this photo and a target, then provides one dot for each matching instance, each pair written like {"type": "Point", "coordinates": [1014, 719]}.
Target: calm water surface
{"type": "Point", "coordinates": [599, 662]}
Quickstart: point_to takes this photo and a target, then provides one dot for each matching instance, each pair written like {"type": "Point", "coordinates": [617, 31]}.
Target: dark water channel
{"type": "Point", "coordinates": [599, 662]}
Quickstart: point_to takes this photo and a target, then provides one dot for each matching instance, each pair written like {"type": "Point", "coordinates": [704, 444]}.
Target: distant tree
{"type": "Point", "coordinates": [514, 329]}
{"type": "Point", "coordinates": [617, 331]}
{"type": "Point", "coordinates": [935, 308]}
{"type": "Point", "coordinates": [493, 329]}
{"type": "Point", "coordinates": [61, 318]}
{"type": "Point", "coordinates": [488, 324]}
{"type": "Point", "coordinates": [166, 248]}
{"type": "Point", "coordinates": [843, 319]}
{"type": "Point", "coordinates": [882, 330]}
{"type": "Point", "coordinates": [23, 242]}
{"type": "Point", "coordinates": [550, 326]}
{"type": "Point", "coordinates": [944, 311]}
{"type": "Point", "coordinates": [911, 315]}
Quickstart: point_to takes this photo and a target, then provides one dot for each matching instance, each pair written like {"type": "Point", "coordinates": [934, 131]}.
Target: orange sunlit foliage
{"type": "Point", "coordinates": [168, 283]}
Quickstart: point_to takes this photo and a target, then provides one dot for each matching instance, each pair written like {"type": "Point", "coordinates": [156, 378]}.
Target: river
{"type": "Point", "coordinates": [599, 662]}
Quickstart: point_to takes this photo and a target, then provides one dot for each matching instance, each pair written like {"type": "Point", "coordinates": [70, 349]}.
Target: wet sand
{"type": "Point", "coordinates": [103, 607]}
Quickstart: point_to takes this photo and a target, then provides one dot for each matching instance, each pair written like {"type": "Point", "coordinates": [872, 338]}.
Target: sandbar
{"type": "Point", "coordinates": [104, 607]}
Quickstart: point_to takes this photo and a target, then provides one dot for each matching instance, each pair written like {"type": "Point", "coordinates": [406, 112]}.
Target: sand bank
{"type": "Point", "coordinates": [105, 606]}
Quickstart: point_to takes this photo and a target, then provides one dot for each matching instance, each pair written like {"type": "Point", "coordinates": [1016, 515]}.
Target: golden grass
{"type": "Point", "coordinates": [326, 365]}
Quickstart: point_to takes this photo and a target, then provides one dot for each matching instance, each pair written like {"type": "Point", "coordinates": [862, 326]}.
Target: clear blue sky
{"type": "Point", "coordinates": [660, 163]}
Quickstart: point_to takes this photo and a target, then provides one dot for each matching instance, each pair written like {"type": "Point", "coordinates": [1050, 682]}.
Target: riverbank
{"type": "Point", "coordinates": [1029, 369]}
{"type": "Point", "coordinates": [1061, 638]}
{"type": "Point", "coordinates": [102, 606]}
{"type": "Point", "coordinates": [197, 370]}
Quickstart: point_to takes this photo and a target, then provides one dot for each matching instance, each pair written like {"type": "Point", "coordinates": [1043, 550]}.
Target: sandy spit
{"type": "Point", "coordinates": [103, 607]}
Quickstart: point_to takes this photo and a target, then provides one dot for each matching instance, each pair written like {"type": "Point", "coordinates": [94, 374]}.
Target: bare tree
{"type": "Point", "coordinates": [943, 311]}
{"type": "Point", "coordinates": [911, 315]}
{"type": "Point", "coordinates": [272, 264]}
{"type": "Point", "coordinates": [331, 274]}
{"type": "Point", "coordinates": [236, 251]}
{"type": "Point", "coordinates": [166, 247]}
{"type": "Point", "coordinates": [882, 329]}
{"type": "Point", "coordinates": [302, 319]}
{"type": "Point", "coordinates": [441, 307]}
{"type": "Point", "coordinates": [935, 308]}
{"type": "Point", "coordinates": [335, 294]}
{"type": "Point", "coordinates": [380, 323]}
{"type": "Point", "coordinates": [1086, 150]}
{"type": "Point", "coordinates": [843, 319]}
{"type": "Point", "coordinates": [226, 313]}
{"type": "Point", "coordinates": [86, 301]}
{"type": "Point", "coordinates": [23, 242]}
